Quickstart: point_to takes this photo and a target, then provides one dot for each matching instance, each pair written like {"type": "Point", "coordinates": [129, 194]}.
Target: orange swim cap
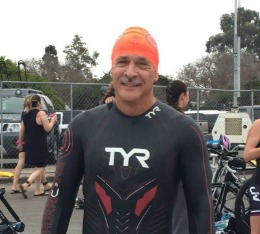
{"type": "Point", "coordinates": [139, 41]}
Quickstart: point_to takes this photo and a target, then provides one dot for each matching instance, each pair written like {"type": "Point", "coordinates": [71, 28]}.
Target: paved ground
{"type": "Point", "coordinates": [30, 211]}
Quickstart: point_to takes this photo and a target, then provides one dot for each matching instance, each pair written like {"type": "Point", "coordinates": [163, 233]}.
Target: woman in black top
{"type": "Point", "coordinates": [34, 128]}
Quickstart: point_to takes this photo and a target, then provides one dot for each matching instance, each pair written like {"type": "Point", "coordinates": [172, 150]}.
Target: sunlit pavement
{"type": "Point", "coordinates": [30, 210]}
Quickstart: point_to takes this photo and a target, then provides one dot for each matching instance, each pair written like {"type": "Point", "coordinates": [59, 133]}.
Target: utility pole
{"type": "Point", "coordinates": [236, 54]}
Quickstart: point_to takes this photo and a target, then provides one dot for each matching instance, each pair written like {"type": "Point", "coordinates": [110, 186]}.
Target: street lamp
{"type": "Point", "coordinates": [236, 55]}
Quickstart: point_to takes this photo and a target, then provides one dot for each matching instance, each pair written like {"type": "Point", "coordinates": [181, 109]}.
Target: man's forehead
{"type": "Point", "coordinates": [132, 56]}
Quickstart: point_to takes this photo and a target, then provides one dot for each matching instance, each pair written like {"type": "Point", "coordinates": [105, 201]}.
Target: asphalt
{"type": "Point", "coordinates": [30, 210]}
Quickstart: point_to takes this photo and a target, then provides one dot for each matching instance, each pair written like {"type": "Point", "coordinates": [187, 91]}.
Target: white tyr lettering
{"type": "Point", "coordinates": [255, 194]}
{"type": "Point", "coordinates": [153, 112]}
{"type": "Point", "coordinates": [141, 154]}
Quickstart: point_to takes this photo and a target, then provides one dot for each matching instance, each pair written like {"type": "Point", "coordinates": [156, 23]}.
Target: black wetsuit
{"type": "Point", "coordinates": [131, 168]}
{"type": "Point", "coordinates": [254, 190]}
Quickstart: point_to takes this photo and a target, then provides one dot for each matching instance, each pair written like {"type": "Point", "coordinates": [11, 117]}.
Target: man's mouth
{"type": "Point", "coordinates": [131, 82]}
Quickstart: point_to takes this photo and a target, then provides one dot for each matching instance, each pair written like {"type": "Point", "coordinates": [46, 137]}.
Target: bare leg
{"type": "Point", "coordinates": [255, 224]}
{"type": "Point", "coordinates": [17, 171]}
{"type": "Point", "coordinates": [47, 186]}
{"type": "Point", "coordinates": [34, 177]}
{"type": "Point", "coordinates": [38, 186]}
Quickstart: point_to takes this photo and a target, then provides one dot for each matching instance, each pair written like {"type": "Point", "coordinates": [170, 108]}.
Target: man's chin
{"type": "Point", "coordinates": [130, 98]}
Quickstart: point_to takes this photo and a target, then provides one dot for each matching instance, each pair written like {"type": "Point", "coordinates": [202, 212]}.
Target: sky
{"type": "Point", "coordinates": [181, 28]}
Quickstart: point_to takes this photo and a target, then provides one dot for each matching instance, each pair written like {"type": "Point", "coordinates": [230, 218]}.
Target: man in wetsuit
{"type": "Point", "coordinates": [132, 154]}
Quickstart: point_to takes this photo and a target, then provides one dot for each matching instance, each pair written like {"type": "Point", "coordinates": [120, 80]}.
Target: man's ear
{"type": "Point", "coordinates": [156, 78]}
{"type": "Point", "coordinates": [110, 73]}
{"type": "Point", "coordinates": [182, 96]}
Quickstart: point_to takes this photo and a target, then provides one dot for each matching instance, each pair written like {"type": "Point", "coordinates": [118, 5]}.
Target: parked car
{"type": "Point", "coordinates": [253, 111]}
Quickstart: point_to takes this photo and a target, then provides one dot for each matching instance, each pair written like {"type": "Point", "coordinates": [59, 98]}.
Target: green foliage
{"type": "Point", "coordinates": [245, 98]}
{"type": "Point", "coordinates": [248, 29]}
{"type": "Point", "coordinates": [252, 84]}
{"type": "Point", "coordinates": [78, 58]}
{"type": "Point", "coordinates": [50, 63]}
{"type": "Point", "coordinates": [8, 70]}
{"type": "Point", "coordinates": [224, 100]}
{"type": "Point", "coordinates": [47, 90]}
{"type": "Point", "coordinates": [88, 96]}
{"type": "Point", "coordinates": [105, 79]}
{"type": "Point", "coordinates": [163, 80]}
{"type": "Point", "coordinates": [51, 49]}
{"type": "Point", "coordinates": [13, 75]}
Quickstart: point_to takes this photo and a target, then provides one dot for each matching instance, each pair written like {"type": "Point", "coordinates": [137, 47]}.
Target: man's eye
{"type": "Point", "coordinates": [121, 62]}
{"type": "Point", "coordinates": [144, 65]}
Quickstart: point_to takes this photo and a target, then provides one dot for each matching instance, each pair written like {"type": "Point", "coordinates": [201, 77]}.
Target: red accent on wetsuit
{"type": "Point", "coordinates": [64, 141]}
{"type": "Point", "coordinates": [142, 203]}
{"type": "Point", "coordinates": [106, 200]}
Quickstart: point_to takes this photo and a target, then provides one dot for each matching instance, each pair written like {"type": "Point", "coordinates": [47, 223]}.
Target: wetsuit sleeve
{"type": "Point", "coordinates": [68, 175]}
{"type": "Point", "coordinates": [196, 176]}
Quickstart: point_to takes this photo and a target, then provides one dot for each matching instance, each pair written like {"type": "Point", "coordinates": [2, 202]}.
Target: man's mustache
{"type": "Point", "coordinates": [130, 81]}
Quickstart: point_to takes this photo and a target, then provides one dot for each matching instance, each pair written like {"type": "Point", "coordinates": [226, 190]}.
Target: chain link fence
{"type": "Point", "coordinates": [70, 99]}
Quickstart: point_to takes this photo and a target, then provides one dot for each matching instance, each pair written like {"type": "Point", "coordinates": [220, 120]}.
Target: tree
{"type": "Point", "coordinates": [8, 69]}
{"type": "Point", "coordinates": [163, 80]}
{"type": "Point", "coordinates": [248, 29]}
{"type": "Point", "coordinates": [246, 97]}
{"type": "Point", "coordinates": [106, 78]}
{"type": "Point", "coordinates": [78, 61]}
{"type": "Point", "coordinates": [50, 64]}
{"type": "Point", "coordinates": [34, 66]}
{"type": "Point", "coordinates": [216, 71]}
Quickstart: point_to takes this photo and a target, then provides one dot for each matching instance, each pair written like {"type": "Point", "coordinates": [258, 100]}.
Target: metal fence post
{"type": "Point", "coordinates": [252, 104]}
{"type": "Point", "coordinates": [71, 101]}
{"type": "Point", "coordinates": [198, 104]}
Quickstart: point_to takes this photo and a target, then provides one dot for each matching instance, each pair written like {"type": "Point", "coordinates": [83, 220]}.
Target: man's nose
{"type": "Point", "coordinates": [131, 70]}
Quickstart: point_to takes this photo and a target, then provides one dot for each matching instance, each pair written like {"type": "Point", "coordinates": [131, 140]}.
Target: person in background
{"type": "Point", "coordinates": [103, 90]}
{"type": "Point", "coordinates": [252, 152]}
{"type": "Point", "coordinates": [109, 96]}
{"type": "Point", "coordinates": [21, 155]}
{"type": "Point", "coordinates": [177, 96]}
{"type": "Point", "coordinates": [34, 128]}
{"type": "Point", "coordinates": [131, 156]}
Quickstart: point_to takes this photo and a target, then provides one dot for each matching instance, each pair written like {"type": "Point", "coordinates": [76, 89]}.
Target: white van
{"type": "Point", "coordinates": [205, 118]}
{"type": "Point", "coordinates": [234, 125]}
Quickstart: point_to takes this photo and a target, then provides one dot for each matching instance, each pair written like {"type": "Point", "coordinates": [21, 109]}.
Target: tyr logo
{"type": "Point", "coordinates": [141, 154]}
{"type": "Point", "coordinates": [153, 112]}
{"type": "Point", "coordinates": [255, 194]}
